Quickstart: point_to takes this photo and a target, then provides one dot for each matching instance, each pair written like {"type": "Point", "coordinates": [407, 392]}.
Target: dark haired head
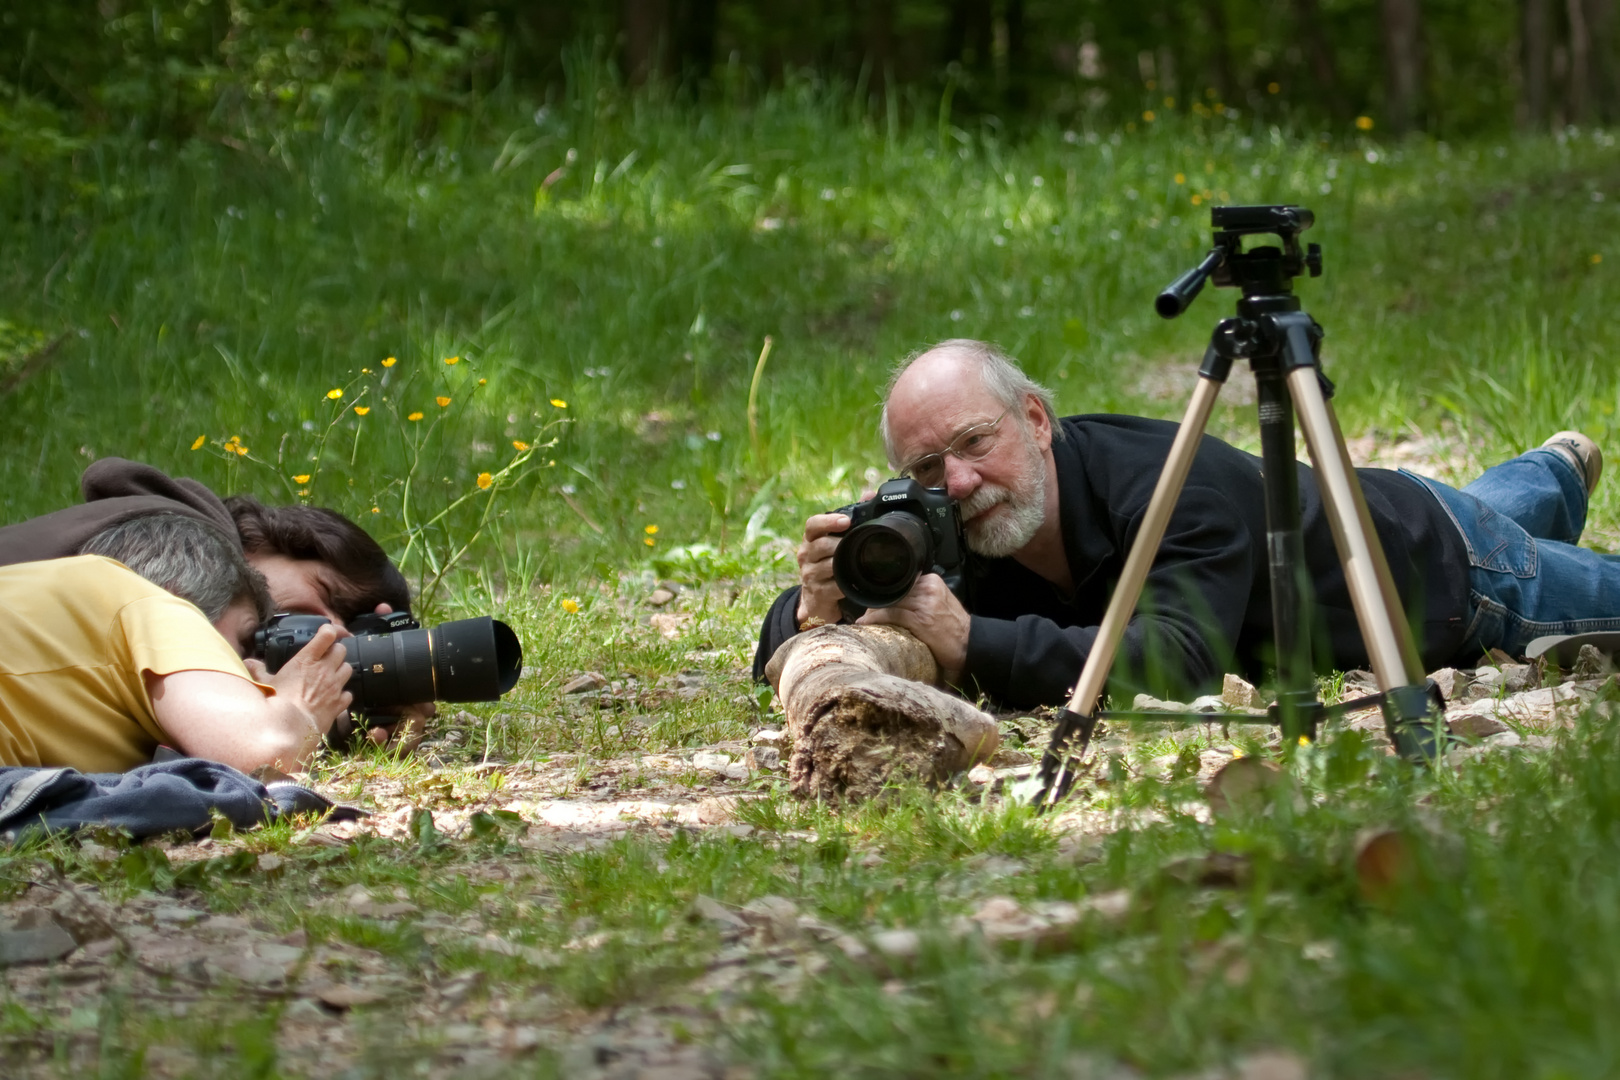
{"type": "Point", "coordinates": [361, 574]}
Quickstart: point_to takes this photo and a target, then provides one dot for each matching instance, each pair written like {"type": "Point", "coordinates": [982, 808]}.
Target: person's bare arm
{"type": "Point", "coordinates": [225, 718]}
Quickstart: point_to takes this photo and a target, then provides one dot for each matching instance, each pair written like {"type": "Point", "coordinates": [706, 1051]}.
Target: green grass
{"type": "Point", "coordinates": [219, 292]}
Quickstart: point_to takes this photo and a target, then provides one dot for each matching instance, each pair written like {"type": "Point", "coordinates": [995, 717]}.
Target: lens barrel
{"type": "Point", "coordinates": [466, 660]}
{"type": "Point", "coordinates": [876, 563]}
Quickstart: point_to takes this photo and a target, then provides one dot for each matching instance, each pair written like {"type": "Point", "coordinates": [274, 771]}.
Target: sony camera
{"type": "Point", "coordinates": [901, 533]}
{"type": "Point", "coordinates": [396, 662]}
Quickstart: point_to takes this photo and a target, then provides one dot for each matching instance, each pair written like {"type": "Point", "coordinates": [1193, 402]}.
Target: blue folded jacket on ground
{"type": "Point", "coordinates": [181, 795]}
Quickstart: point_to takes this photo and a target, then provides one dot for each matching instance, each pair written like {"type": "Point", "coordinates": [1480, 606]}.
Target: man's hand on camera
{"type": "Point", "coordinates": [934, 614]}
{"type": "Point", "coordinates": [312, 681]}
{"type": "Point", "coordinates": [818, 593]}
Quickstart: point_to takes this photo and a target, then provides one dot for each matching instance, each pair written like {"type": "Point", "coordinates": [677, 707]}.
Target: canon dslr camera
{"type": "Point", "coordinates": [901, 533]}
{"type": "Point", "coordinates": [396, 662]}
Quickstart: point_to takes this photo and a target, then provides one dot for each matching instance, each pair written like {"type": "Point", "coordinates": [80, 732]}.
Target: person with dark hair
{"type": "Point", "coordinates": [314, 560]}
{"type": "Point", "coordinates": [317, 561]}
{"type": "Point", "coordinates": [106, 656]}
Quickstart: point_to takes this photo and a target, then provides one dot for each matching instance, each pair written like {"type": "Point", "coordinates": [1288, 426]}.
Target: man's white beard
{"type": "Point", "coordinates": [1007, 532]}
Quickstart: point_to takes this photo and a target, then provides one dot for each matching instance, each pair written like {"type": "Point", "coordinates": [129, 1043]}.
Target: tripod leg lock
{"type": "Point", "coordinates": [1415, 717]}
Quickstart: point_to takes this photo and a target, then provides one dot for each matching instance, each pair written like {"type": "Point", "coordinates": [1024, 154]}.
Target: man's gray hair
{"type": "Point", "coordinates": [1002, 376]}
{"type": "Point", "coordinates": [187, 557]}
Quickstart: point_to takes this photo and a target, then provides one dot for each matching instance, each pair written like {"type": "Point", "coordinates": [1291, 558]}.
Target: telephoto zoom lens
{"type": "Point", "coordinates": [876, 563]}
{"type": "Point", "coordinates": [466, 660]}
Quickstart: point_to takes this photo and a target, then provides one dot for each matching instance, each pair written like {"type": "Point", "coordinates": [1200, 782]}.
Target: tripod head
{"type": "Point", "coordinates": [1261, 271]}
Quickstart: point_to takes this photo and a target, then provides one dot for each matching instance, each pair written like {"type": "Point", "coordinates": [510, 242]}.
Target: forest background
{"type": "Point", "coordinates": [582, 309]}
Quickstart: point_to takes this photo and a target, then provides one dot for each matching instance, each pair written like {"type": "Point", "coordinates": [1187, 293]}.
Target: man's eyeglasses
{"type": "Point", "coordinates": [971, 444]}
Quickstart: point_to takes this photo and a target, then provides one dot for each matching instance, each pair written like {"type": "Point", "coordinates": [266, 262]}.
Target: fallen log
{"type": "Point", "coordinates": [864, 706]}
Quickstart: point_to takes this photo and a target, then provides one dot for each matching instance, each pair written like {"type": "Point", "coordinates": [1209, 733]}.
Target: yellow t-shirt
{"type": "Point", "coordinates": [76, 637]}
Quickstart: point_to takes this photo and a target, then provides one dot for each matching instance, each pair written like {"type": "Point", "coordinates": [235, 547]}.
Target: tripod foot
{"type": "Point", "coordinates": [1415, 718]}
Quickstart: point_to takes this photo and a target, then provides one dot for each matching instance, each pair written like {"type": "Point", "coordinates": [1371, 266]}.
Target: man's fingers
{"type": "Point", "coordinates": [257, 669]}
{"type": "Point", "coordinates": [820, 525]}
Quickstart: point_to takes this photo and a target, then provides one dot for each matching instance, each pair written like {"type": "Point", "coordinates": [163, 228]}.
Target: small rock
{"type": "Point", "coordinates": [84, 915]}
{"type": "Point", "coordinates": [691, 680]}
{"type": "Point", "coordinates": [1592, 663]}
{"type": "Point", "coordinates": [897, 944]}
{"type": "Point", "coordinates": [1272, 1065]}
{"type": "Point", "coordinates": [763, 758]}
{"type": "Point", "coordinates": [177, 916]}
{"type": "Point", "coordinates": [775, 917]}
{"type": "Point", "coordinates": [1149, 703]}
{"type": "Point", "coordinates": [1452, 683]}
{"type": "Point", "coordinates": [585, 682]}
{"type": "Point", "coordinates": [1474, 722]}
{"type": "Point", "coordinates": [1240, 694]}
{"type": "Point", "coordinates": [1208, 703]}
{"type": "Point", "coordinates": [768, 737]}
{"type": "Point", "coordinates": [269, 862]}
{"type": "Point", "coordinates": [1006, 758]}
{"type": "Point", "coordinates": [711, 762]}
{"type": "Point", "coordinates": [34, 937]}
{"type": "Point", "coordinates": [1111, 906]}
{"type": "Point", "coordinates": [1242, 786]}
{"type": "Point", "coordinates": [660, 597]}
{"type": "Point", "coordinates": [1517, 677]}
{"type": "Point", "coordinates": [737, 770]}
{"type": "Point", "coordinates": [981, 774]}
{"type": "Point", "coordinates": [1487, 681]}
{"type": "Point", "coordinates": [709, 909]}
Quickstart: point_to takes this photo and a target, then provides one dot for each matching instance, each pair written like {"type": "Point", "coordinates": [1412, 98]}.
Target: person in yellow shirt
{"type": "Point", "coordinates": [102, 661]}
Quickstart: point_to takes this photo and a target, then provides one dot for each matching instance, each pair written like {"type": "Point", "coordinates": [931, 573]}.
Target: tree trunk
{"type": "Point", "coordinates": [1580, 67]}
{"type": "Point", "coordinates": [693, 32]}
{"type": "Point", "coordinates": [1536, 47]}
{"type": "Point", "coordinates": [1308, 16]}
{"type": "Point", "coordinates": [1600, 24]}
{"type": "Point", "coordinates": [1403, 61]}
{"type": "Point", "coordinates": [862, 709]}
{"type": "Point", "coordinates": [646, 32]}
{"type": "Point", "coordinates": [1220, 53]}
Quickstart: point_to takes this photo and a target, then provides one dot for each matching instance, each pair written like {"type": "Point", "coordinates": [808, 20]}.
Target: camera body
{"type": "Point", "coordinates": [394, 661]}
{"type": "Point", "coordinates": [904, 531]}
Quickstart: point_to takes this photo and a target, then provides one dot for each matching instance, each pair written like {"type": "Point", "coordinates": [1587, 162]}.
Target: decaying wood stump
{"type": "Point", "coordinates": [863, 706]}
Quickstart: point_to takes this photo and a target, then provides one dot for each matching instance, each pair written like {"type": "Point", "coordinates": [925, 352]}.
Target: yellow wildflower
{"type": "Point", "coordinates": [559, 402]}
{"type": "Point", "coordinates": [519, 444]}
{"type": "Point", "coordinates": [1596, 258]}
{"type": "Point", "coordinates": [1181, 178]}
{"type": "Point", "coordinates": [200, 440]}
{"type": "Point", "coordinates": [1364, 123]}
{"type": "Point", "coordinates": [301, 478]}
{"type": "Point", "coordinates": [365, 371]}
{"type": "Point", "coordinates": [415, 416]}
{"type": "Point", "coordinates": [570, 605]}
{"type": "Point", "coordinates": [652, 530]}
{"type": "Point", "coordinates": [649, 541]}
{"type": "Point", "coordinates": [241, 450]}
{"type": "Point", "coordinates": [452, 361]}
{"type": "Point", "coordinates": [376, 509]}
{"type": "Point", "coordinates": [333, 395]}
{"type": "Point", "coordinates": [483, 382]}
{"type": "Point", "coordinates": [1273, 88]}
{"type": "Point", "coordinates": [1148, 116]}
{"type": "Point", "coordinates": [390, 362]}
{"type": "Point", "coordinates": [361, 410]}
{"type": "Point", "coordinates": [443, 401]}
{"type": "Point", "coordinates": [484, 480]}
{"type": "Point", "coordinates": [1196, 199]}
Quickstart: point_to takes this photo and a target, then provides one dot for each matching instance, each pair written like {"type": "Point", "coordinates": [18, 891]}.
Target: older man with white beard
{"type": "Point", "coordinates": [1051, 508]}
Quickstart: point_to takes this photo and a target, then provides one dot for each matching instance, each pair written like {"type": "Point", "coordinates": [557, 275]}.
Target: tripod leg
{"type": "Point", "coordinates": [1409, 708]}
{"type": "Point", "coordinates": [1297, 705]}
{"type": "Point", "coordinates": [1079, 718]}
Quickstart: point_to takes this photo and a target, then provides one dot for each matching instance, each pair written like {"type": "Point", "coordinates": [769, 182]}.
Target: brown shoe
{"type": "Point", "coordinates": [1580, 452]}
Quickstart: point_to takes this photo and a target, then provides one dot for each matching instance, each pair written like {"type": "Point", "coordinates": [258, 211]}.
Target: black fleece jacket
{"type": "Point", "coordinates": [1206, 608]}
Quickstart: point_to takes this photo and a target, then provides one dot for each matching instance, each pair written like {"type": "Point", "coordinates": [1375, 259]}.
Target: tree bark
{"type": "Point", "coordinates": [1536, 47]}
{"type": "Point", "coordinates": [1580, 66]}
{"type": "Point", "coordinates": [1308, 16]}
{"type": "Point", "coordinates": [646, 33]}
{"type": "Point", "coordinates": [1403, 61]}
{"type": "Point", "coordinates": [1220, 52]}
{"type": "Point", "coordinates": [1600, 24]}
{"type": "Point", "coordinates": [863, 708]}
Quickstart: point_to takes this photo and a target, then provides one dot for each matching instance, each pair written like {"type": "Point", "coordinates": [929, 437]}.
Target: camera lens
{"type": "Point", "coordinates": [466, 660]}
{"type": "Point", "coordinates": [876, 563]}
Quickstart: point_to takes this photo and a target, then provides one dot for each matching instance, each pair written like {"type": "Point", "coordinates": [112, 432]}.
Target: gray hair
{"type": "Point", "coordinates": [187, 557]}
{"type": "Point", "coordinates": [1002, 376]}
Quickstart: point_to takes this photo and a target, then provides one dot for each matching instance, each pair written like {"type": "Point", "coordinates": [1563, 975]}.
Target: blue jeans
{"type": "Point", "coordinates": [1520, 522]}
